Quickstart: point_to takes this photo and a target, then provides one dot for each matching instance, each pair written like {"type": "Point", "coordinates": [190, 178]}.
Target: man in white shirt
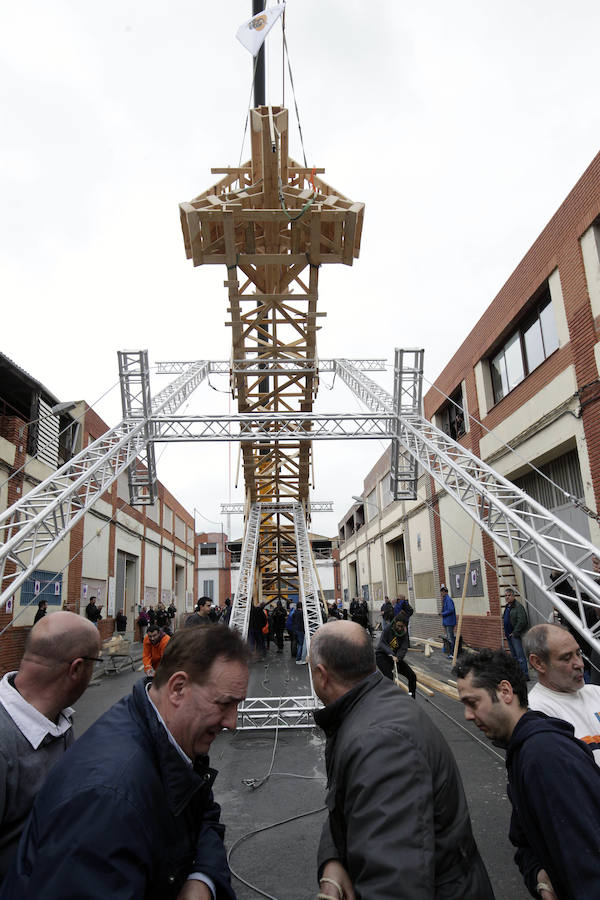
{"type": "Point", "coordinates": [561, 691]}
{"type": "Point", "coordinates": [35, 715]}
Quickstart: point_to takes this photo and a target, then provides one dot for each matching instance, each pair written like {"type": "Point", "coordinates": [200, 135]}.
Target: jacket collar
{"type": "Point", "coordinates": [331, 717]}
{"type": "Point", "coordinates": [181, 781]}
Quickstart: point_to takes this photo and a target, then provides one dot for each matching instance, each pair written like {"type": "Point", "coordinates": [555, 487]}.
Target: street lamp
{"type": "Point", "coordinates": [59, 408]}
{"type": "Point", "coordinates": [362, 501]}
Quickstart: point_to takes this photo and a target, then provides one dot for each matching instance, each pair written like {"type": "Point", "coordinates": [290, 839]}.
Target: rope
{"type": "Point", "coordinates": [248, 110]}
{"type": "Point", "coordinates": [287, 53]}
{"type": "Point", "coordinates": [306, 206]}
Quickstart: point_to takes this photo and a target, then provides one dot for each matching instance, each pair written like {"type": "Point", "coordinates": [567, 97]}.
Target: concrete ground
{"type": "Point", "coordinates": [278, 823]}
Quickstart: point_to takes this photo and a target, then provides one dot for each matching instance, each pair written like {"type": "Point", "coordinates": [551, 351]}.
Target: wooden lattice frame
{"type": "Point", "coordinates": [240, 222]}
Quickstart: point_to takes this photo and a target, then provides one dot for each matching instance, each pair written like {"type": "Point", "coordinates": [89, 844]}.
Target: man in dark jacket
{"type": "Point", "coordinates": [398, 820]}
{"type": "Point", "coordinates": [92, 611]}
{"type": "Point", "coordinates": [201, 615]}
{"type": "Point", "coordinates": [278, 620]}
{"type": "Point", "coordinates": [553, 781]}
{"type": "Point", "coordinates": [515, 623]}
{"type": "Point", "coordinates": [393, 645]}
{"type": "Point", "coordinates": [129, 811]}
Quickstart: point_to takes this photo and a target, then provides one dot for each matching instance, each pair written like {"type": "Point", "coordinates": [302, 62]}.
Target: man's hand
{"type": "Point", "coordinates": [542, 877]}
{"type": "Point", "coordinates": [335, 870]}
{"type": "Point", "coordinates": [194, 890]}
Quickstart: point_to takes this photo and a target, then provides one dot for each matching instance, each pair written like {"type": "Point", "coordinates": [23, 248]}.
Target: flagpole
{"type": "Point", "coordinates": [259, 73]}
{"type": "Point", "coordinates": [260, 100]}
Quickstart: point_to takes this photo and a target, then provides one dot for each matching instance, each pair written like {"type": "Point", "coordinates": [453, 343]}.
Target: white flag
{"type": "Point", "coordinates": [252, 33]}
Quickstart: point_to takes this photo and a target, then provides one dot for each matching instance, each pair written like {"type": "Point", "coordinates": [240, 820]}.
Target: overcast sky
{"type": "Point", "coordinates": [461, 126]}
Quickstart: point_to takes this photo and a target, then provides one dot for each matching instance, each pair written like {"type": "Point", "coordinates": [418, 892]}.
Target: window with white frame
{"type": "Point", "coordinates": [386, 494]}
{"type": "Point", "coordinates": [371, 507]}
{"type": "Point", "coordinates": [208, 589]}
{"type": "Point", "coordinates": [526, 348]}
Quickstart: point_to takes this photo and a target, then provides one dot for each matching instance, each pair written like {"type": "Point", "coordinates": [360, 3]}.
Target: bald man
{"type": "Point", "coordinates": [561, 691]}
{"type": "Point", "coordinates": [398, 821]}
{"type": "Point", "coordinates": [36, 715]}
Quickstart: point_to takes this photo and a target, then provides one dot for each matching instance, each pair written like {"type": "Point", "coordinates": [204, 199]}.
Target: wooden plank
{"type": "Point", "coordinates": [435, 683]}
{"type": "Point", "coordinates": [195, 238]}
{"type": "Point", "coordinates": [349, 235]}
{"type": "Point", "coordinates": [315, 236]}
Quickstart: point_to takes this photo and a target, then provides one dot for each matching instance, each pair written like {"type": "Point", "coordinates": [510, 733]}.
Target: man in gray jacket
{"type": "Point", "coordinates": [36, 715]}
{"type": "Point", "coordinates": [398, 820]}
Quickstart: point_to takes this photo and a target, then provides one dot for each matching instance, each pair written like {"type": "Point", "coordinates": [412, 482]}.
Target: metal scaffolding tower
{"type": "Point", "coordinates": [273, 223]}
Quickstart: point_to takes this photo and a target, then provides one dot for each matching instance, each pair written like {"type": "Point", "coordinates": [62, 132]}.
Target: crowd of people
{"type": "Point", "coordinates": [128, 809]}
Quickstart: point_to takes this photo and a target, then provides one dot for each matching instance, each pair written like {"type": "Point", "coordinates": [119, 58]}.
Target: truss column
{"type": "Point", "coordinates": [240, 611]}
{"type": "Point", "coordinates": [306, 577]}
{"type": "Point", "coordinates": [134, 375]}
{"type": "Point", "coordinates": [38, 521]}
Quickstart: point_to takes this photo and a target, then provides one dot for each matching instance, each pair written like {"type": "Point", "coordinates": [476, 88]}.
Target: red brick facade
{"type": "Point", "coordinates": [14, 430]}
{"type": "Point", "coordinates": [557, 247]}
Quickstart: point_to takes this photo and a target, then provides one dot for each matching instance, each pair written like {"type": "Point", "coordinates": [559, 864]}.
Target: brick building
{"type": "Point", "coordinates": [124, 556]}
{"type": "Point", "coordinates": [213, 567]}
{"type": "Point", "coordinates": [527, 375]}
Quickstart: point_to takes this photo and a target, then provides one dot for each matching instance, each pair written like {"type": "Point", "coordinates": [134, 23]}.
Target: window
{"type": "Point", "coordinates": [453, 417]}
{"type": "Point", "coordinates": [526, 349]}
{"type": "Point", "coordinates": [372, 509]}
{"type": "Point", "coordinates": [386, 493]}
{"type": "Point", "coordinates": [208, 549]}
{"type": "Point", "coordinates": [208, 589]}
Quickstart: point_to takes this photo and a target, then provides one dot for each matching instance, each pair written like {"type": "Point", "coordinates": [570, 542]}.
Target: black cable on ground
{"type": "Point", "coordinates": [249, 834]}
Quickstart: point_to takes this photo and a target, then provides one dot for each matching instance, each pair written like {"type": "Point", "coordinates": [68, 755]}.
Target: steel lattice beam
{"type": "Point", "coordinates": [277, 712]}
{"type": "Point", "coordinates": [35, 524]}
{"type": "Point", "coordinates": [533, 537]}
{"type": "Point", "coordinates": [240, 611]}
{"type": "Point", "coordinates": [314, 506]}
{"type": "Point", "coordinates": [275, 426]}
{"type": "Point", "coordinates": [269, 366]}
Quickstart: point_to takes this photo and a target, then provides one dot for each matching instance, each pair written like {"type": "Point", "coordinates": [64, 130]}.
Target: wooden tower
{"type": "Point", "coordinates": [273, 222]}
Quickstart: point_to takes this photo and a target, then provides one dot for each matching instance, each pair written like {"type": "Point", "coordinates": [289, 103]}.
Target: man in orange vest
{"type": "Point", "coordinates": [154, 647]}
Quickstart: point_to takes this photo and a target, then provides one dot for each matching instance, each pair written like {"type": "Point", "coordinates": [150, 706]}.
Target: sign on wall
{"type": "Point", "coordinates": [474, 583]}
{"type": "Point", "coordinates": [42, 585]}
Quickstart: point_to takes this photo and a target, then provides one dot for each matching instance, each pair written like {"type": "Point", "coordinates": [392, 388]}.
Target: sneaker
{"type": "Point", "coordinates": [301, 662]}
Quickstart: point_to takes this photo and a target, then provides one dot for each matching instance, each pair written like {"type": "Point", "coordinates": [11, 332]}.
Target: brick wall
{"type": "Point", "coordinates": [558, 246]}
{"type": "Point", "coordinates": [477, 631]}
{"type": "Point", "coordinates": [12, 642]}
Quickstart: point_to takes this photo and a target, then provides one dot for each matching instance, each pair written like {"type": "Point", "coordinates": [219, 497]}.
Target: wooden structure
{"type": "Point", "coordinates": [273, 222]}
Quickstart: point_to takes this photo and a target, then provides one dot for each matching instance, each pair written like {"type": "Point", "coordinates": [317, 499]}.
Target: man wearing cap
{"type": "Point", "coordinates": [393, 645]}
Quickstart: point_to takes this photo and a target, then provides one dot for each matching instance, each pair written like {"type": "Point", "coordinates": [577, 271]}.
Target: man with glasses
{"type": "Point", "coordinates": [129, 811]}
{"type": "Point", "coordinates": [561, 691]}
{"type": "Point", "coordinates": [36, 715]}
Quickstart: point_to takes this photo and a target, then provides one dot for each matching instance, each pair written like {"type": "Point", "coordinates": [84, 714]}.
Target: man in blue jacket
{"type": "Point", "coordinates": [129, 811]}
{"type": "Point", "coordinates": [553, 781]}
{"type": "Point", "coordinates": [448, 617]}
